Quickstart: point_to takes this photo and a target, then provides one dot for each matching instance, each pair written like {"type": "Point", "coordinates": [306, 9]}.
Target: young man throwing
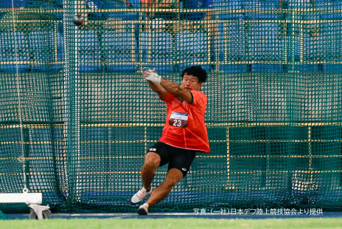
{"type": "Point", "coordinates": [184, 133]}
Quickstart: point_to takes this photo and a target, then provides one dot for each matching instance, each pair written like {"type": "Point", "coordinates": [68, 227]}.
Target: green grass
{"type": "Point", "coordinates": [173, 223]}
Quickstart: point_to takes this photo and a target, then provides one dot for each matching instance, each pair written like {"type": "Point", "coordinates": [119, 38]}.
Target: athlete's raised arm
{"type": "Point", "coordinates": [156, 87]}
{"type": "Point", "coordinates": [189, 82]}
{"type": "Point", "coordinates": [177, 90]}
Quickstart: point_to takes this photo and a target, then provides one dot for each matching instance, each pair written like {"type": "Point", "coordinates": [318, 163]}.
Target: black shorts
{"type": "Point", "coordinates": [177, 158]}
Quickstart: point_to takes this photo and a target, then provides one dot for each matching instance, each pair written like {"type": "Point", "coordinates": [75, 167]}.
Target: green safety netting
{"type": "Point", "coordinates": [2, 216]}
{"type": "Point", "coordinates": [76, 117]}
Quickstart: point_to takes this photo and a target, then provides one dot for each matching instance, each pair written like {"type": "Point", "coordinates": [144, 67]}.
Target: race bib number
{"type": "Point", "coordinates": [178, 119]}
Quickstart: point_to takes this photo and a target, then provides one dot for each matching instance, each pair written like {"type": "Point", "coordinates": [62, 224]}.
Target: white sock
{"type": "Point", "coordinates": [146, 204]}
{"type": "Point", "coordinates": [146, 189]}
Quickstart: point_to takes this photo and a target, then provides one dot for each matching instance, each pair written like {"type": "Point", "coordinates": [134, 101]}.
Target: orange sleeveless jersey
{"type": "Point", "coordinates": [185, 127]}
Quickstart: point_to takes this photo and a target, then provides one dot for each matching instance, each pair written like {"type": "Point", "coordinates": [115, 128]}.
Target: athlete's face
{"type": "Point", "coordinates": [190, 82]}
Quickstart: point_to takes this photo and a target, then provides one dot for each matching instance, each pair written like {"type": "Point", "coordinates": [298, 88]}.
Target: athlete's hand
{"type": "Point", "coordinates": [147, 72]}
{"type": "Point", "coordinates": [152, 76]}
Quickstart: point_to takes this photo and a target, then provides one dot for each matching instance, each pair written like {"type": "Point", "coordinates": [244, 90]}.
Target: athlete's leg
{"type": "Point", "coordinates": [152, 162]}
{"type": "Point", "coordinates": [173, 177]}
{"type": "Point", "coordinates": [179, 165]}
{"type": "Point", "coordinates": [154, 158]}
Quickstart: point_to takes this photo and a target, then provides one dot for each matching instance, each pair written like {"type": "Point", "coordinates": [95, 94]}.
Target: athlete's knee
{"type": "Point", "coordinates": [152, 160]}
{"type": "Point", "coordinates": [170, 183]}
{"type": "Point", "coordinates": [173, 177]}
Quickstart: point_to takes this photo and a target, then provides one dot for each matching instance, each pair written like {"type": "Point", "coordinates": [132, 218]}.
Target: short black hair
{"type": "Point", "coordinates": [196, 71]}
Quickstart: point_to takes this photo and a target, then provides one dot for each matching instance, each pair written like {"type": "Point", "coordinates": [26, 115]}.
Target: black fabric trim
{"type": "Point", "coordinates": [192, 98]}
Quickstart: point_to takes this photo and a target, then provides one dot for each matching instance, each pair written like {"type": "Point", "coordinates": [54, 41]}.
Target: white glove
{"type": "Point", "coordinates": [154, 77]}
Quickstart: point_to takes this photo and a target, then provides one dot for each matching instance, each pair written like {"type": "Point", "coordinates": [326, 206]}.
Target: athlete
{"type": "Point", "coordinates": [183, 135]}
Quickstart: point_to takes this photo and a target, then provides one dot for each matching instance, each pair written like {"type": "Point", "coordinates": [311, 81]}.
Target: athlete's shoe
{"type": "Point", "coordinates": [143, 209]}
{"type": "Point", "coordinates": [140, 195]}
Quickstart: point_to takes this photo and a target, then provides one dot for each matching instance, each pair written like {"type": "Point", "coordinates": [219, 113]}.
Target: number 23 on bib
{"type": "Point", "coordinates": [178, 119]}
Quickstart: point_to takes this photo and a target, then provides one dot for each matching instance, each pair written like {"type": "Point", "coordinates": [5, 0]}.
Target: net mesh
{"type": "Point", "coordinates": [2, 216]}
{"type": "Point", "coordinates": [76, 118]}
